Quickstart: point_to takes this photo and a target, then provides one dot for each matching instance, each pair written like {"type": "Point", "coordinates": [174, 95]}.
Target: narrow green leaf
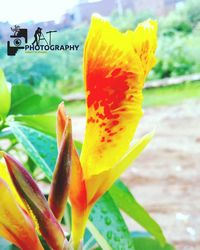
{"type": "Point", "coordinates": [98, 236]}
{"type": "Point", "coordinates": [146, 243]}
{"type": "Point", "coordinates": [26, 101]}
{"type": "Point", "coordinates": [109, 224]}
{"type": "Point", "coordinates": [45, 123]}
{"type": "Point", "coordinates": [40, 147]}
{"type": "Point", "coordinates": [126, 202]}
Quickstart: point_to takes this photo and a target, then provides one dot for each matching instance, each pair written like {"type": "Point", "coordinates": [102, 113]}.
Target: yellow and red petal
{"type": "Point", "coordinates": [96, 187]}
{"type": "Point", "coordinates": [15, 225]}
{"type": "Point", "coordinates": [61, 122]}
{"type": "Point", "coordinates": [83, 194]}
{"type": "Point", "coordinates": [36, 203]}
{"type": "Point", "coordinates": [78, 199]}
{"type": "Point", "coordinates": [114, 78]}
{"type": "Point", "coordinates": [61, 177]}
{"type": "Point", "coordinates": [144, 40]}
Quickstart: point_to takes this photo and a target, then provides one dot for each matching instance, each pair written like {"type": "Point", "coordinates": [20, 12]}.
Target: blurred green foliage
{"type": "Point", "coordinates": [179, 42]}
{"type": "Point", "coordinates": [61, 73]}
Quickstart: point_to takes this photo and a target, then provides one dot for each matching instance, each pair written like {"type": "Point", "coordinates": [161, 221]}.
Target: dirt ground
{"type": "Point", "coordinates": [165, 179]}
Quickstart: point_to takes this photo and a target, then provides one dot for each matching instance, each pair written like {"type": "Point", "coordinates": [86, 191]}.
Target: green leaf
{"type": "Point", "coordinates": [26, 102]}
{"type": "Point", "coordinates": [5, 97]}
{"type": "Point", "coordinates": [108, 224]}
{"type": "Point", "coordinates": [146, 243]}
{"type": "Point", "coordinates": [6, 245]}
{"type": "Point", "coordinates": [41, 148]}
{"type": "Point", "coordinates": [128, 204]}
{"type": "Point", "coordinates": [6, 134]}
{"type": "Point", "coordinates": [45, 123]}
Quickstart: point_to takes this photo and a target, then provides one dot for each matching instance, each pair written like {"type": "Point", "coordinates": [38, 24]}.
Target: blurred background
{"type": "Point", "coordinates": [165, 179]}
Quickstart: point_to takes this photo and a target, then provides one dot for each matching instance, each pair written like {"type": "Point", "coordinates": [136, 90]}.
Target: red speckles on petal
{"type": "Point", "coordinates": [103, 124]}
{"type": "Point", "coordinates": [96, 105]}
{"type": "Point", "coordinates": [108, 130]}
{"type": "Point", "coordinates": [122, 110]}
{"type": "Point", "coordinates": [102, 139]}
{"type": "Point", "coordinates": [115, 122]}
{"type": "Point", "coordinates": [116, 72]}
{"type": "Point", "coordinates": [101, 116]}
{"type": "Point", "coordinates": [131, 97]}
{"type": "Point", "coordinates": [91, 119]}
{"type": "Point", "coordinates": [111, 134]}
{"type": "Point", "coordinates": [107, 90]}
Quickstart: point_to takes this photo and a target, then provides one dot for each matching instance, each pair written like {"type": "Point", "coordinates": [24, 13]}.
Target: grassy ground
{"type": "Point", "coordinates": [153, 97]}
{"type": "Point", "coordinates": [171, 95]}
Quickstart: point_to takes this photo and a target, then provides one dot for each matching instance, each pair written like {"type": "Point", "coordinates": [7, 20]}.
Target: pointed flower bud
{"type": "Point", "coordinates": [35, 203]}
{"type": "Point", "coordinates": [15, 224]}
{"type": "Point", "coordinates": [60, 184]}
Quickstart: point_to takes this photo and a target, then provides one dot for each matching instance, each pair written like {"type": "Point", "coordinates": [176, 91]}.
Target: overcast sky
{"type": "Point", "coordinates": [17, 11]}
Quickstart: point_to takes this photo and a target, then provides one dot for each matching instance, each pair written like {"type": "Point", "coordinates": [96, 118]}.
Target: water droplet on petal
{"type": "Point", "coordinates": [104, 210]}
{"type": "Point", "coordinates": [109, 235]}
{"type": "Point", "coordinates": [108, 221]}
{"type": "Point", "coordinates": [116, 238]}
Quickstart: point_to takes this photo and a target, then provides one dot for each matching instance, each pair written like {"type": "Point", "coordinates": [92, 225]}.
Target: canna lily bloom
{"type": "Point", "coordinates": [115, 67]}
{"type": "Point", "coordinates": [23, 208]}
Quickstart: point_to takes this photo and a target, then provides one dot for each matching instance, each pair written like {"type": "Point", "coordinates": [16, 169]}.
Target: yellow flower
{"type": "Point", "coordinates": [115, 67]}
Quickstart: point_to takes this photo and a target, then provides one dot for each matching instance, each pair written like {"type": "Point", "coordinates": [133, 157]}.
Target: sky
{"type": "Point", "coordinates": [18, 11]}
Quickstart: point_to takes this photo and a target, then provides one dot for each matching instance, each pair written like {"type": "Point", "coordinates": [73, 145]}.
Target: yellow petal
{"type": "Point", "coordinates": [78, 198]}
{"type": "Point", "coordinates": [144, 40]}
{"type": "Point", "coordinates": [114, 77]}
{"type": "Point", "coordinates": [15, 225]}
{"type": "Point", "coordinates": [4, 174]}
{"type": "Point", "coordinates": [61, 122]}
{"type": "Point", "coordinates": [79, 220]}
{"type": "Point", "coordinates": [97, 185]}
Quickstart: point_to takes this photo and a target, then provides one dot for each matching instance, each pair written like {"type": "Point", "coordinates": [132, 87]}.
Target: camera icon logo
{"type": "Point", "coordinates": [16, 40]}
